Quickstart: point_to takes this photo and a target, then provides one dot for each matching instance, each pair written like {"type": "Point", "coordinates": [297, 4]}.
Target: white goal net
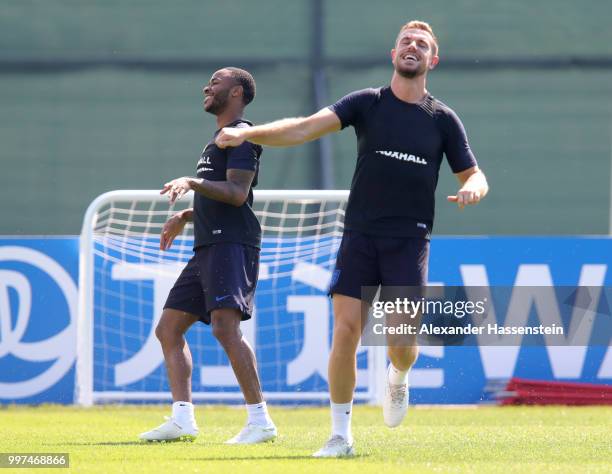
{"type": "Point", "coordinates": [125, 279]}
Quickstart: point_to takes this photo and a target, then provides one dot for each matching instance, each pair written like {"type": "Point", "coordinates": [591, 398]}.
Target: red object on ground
{"type": "Point", "coordinates": [540, 392]}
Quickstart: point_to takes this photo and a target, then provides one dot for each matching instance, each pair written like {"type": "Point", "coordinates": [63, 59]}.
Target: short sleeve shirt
{"type": "Point", "coordinates": [400, 147]}
{"type": "Point", "coordinates": [215, 221]}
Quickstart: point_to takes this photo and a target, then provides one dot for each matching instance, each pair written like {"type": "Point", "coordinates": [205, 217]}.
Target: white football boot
{"type": "Point", "coordinates": [395, 403]}
{"type": "Point", "coordinates": [252, 434]}
{"type": "Point", "coordinates": [171, 431]}
{"type": "Point", "coordinates": [336, 447]}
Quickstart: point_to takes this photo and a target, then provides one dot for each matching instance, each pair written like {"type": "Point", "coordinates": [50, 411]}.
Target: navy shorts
{"type": "Point", "coordinates": [221, 275]}
{"type": "Point", "coordinates": [369, 261]}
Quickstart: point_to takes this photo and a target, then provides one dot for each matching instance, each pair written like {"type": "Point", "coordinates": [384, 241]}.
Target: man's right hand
{"type": "Point", "coordinates": [229, 136]}
{"type": "Point", "coordinates": [173, 227]}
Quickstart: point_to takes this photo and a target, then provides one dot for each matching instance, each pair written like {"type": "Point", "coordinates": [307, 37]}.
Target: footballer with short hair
{"type": "Point", "coordinates": [217, 285]}
{"type": "Point", "coordinates": [403, 132]}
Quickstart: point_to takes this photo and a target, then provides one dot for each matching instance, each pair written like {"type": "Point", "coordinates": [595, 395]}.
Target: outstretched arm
{"type": "Point", "coordinates": [474, 187]}
{"type": "Point", "coordinates": [285, 132]}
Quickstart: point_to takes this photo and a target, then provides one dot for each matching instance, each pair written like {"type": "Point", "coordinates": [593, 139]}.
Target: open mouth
{"type": "Point", "coordinates": [410, 57]}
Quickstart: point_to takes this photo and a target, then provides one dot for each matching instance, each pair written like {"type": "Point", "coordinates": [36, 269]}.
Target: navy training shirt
{"type": "Point", "coordinates": [215, 221]}
{"type": "Point", "coordinates": [399, 152]}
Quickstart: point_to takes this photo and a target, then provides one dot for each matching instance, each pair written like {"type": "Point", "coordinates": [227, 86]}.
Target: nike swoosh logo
{"type": "Point", "coordinates": [221, 298]}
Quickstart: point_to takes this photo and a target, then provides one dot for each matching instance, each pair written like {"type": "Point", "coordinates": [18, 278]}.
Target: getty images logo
{"type": "Point", "coordinates": [18, 297]}
{"type": "Point", "coordinates": [403, 156]}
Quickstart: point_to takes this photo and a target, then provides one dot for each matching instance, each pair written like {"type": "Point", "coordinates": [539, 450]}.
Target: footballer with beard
{"type": "Point", "coordinates": [402, 132]}
{"type": "Point", "coordinates": [217, 285]}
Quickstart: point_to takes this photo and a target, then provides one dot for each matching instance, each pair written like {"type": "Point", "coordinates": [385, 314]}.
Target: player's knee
{"type": "Point", "coordinates": [225, 332]}
{"type": "Point", "coordinates": [225, 335]}
{"type": "Point", "coordinates": [164, 332]}
{"type": "Point", "coordinates": [220, 332]}
{"type": "Point", "coordinates": [159, 332]}
{"type": "Point", "coordinates": [226, 324]}
{"type": "Point", "coordinates": [168, 330]}
{"type": "Point", "coordinates": [347, 333]}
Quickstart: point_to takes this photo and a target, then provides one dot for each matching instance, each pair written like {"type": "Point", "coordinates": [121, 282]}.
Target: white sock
{"type": "Point", "coordinates": [396, 376]}
{"type": "Point", "coordinates": [258, 414]}
{"type": "Point", "coordinates": [183, 413]}
{"type": "Point", "coordinates": [341, 414]}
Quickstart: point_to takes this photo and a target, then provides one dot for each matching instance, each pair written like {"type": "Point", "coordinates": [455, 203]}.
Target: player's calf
{"type": "Point", "coordinates": [403, 356]}
{"type": "Point", "coordinates": [226, 328]}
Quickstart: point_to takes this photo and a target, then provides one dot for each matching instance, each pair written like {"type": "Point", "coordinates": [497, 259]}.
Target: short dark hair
{"type": "Point", "coordinates": [245, 79]}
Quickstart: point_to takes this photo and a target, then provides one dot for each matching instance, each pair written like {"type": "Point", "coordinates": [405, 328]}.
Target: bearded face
{"type": "Point", "coordinates": [217, 102]}
{"type": "Point", "coordinates": [410, 67]}
{"type": "Point", "coordinates": [414, 53]}
{"type": "Point", "coordinates": [217, 92]}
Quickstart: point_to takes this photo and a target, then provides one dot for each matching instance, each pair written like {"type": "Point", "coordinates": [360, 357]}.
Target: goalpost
{"type": "Point", "coordinates": [124, 279]}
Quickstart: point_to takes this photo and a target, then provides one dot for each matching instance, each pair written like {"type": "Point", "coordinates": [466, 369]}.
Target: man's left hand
{"type": "Point", "coordinates": [465, 197]}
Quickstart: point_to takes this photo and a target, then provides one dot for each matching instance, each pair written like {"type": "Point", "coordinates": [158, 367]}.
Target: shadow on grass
{"type": "Point", "coordinates": [110, 443]}
{"type": "Point", "coordinates": [273, 458]}
{"type": "Point", "coordinates": [211, 458]}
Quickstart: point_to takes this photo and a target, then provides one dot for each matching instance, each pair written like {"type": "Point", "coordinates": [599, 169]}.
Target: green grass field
{"type": "Point", "coordinates": [492, 439]}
